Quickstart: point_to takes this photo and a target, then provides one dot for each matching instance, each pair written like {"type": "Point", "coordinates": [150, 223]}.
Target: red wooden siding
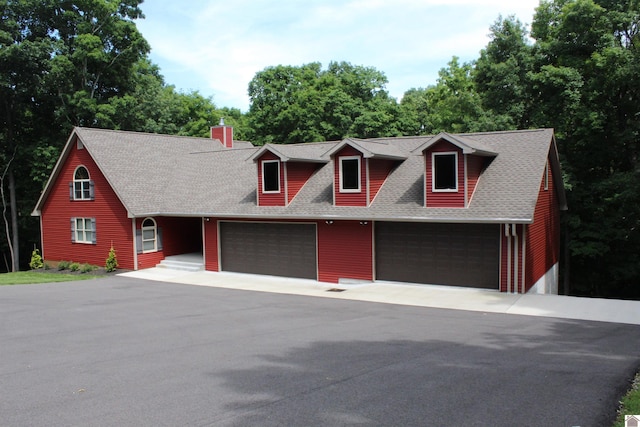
{"type": "Point", "coordinates": [297, 175]}
{"type": "Point", "coordinates": [345, 250]}
{"type": "Point", "coordinates": [112, 224]}
{"type": "Point", "coordinates": [270, 199]}
{"type": "Point", "coordinates": [474, 168]}
{"type": "Point", "coordinates": [444, 199]}
{"type": "Point", "coordinates": [349, 199]}
{"type": "Point", "coordinates": [211, 245]}
{"type": "Point", "coordinates": [379, 170]}
{"type": "Point", "coordinates": [179, 236]}
{"type": "Point", "coordinates": [543, 240]}
{"type": "Point", "coordinates": [511, 260]}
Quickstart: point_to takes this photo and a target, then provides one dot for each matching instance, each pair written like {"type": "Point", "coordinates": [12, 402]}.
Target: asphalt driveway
{"type": "Point", "coordinates": [124, 351]}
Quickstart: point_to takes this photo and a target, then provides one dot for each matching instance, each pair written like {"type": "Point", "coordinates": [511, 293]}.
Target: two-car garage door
{"type": "Point", "coordinates": [276, 249]}
{"type": "Point", "coordinates": [435, 253]}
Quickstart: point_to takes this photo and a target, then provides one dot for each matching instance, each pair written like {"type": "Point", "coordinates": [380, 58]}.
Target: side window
{"type": "Point", "coordinates": [350, 174]}
{"type": "Point", "coordinates": [445, 171]}
{"type": "Point", "coordinates": [83, 230]}
{"type": "Point", "coordinates": [149, 235]}
{"type": "Point", "coordinates": [271, 176]}
{"type": "Point", "coordinates": [82, 186]}
{"type": "Point", "coordinates": [546, 176]}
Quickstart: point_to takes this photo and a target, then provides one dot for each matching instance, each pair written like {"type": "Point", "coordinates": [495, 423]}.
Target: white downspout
{"type": "Point", "coordinates": [514, 232]}
{"type": "Point", "coordinates": [135, 242]}
{"type": "Point", "coordinates": [508, 236]}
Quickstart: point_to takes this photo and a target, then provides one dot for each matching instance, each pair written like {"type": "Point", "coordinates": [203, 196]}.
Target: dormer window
{"type": "Point", "coordinates": [350, 174]}
{"type": "Point", "coordinates": [445, 172]}
{"type": "Point", "coordinates": [82, 186]}
{"type": "Point", "coordinates": [271, 176]}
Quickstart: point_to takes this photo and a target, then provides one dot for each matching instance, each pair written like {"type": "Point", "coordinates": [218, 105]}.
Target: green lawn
{"type": "Point", "coordinates": [28, 277]}
{"type": "Point", "coordinates": [630, 403]}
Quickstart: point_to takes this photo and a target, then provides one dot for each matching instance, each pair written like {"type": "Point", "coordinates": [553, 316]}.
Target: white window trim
{"type": "Point", "coordinates": [433, 172]}
{"type": "Point", "coordinates": [155, 235]}
{"type": "Point", "coordinates": [264, 191]}
{"type": "Point", "coordinates": [84, 230]}
{"type": "Point", "coordinates": [351, 190]}
{"type": "Point", "coordinates": [83, 181]}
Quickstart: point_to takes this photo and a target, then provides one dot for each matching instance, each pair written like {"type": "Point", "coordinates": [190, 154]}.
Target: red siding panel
{"type": "Point", "coordinates": [297, 176]}
{"type": "Point", "coordinates": [349, 199]}
{"type": "Point", "coordinates": [270, 199]}
{"type": "Point", "coordinates": [179, 236]}
{"type": "Point", "coordinates": [112, 224]}
{"type": "Point", "coordinates": [543, 242]}
{"type": "Point", "coordinates": [211, 262]}
{"type": "Point", "coordinates": [474, 168]}
{"type": "Point", "coordinates": [379, 170]}
{"type": "Point", "coordinates": [444, 199]}
{"type": "Point", "coordinates": [345, 250]}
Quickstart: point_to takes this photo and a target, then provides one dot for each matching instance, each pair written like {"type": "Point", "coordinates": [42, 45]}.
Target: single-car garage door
{"type": "Point", "coordinates": [434, 253]}
{"type": "Point", "coordinates": [269, 248]}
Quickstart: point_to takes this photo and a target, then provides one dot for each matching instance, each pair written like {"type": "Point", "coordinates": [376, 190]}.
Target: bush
{"type": "Point", "coordinates": [63, 265]}
{"type": "Point", "coordinates": [36, 260]}
{"type": "Point", "coordinates": [47, 266]}
{"type": "Point", "coordinates": [74, 266]}
{"type": "Point", "coordinates": [87, 268]}
{"type": "Point", "coordinates": [112, 262]}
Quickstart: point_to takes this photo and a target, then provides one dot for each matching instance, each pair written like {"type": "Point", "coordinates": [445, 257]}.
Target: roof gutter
{"type": "Point", "coordinates": [276, 217]}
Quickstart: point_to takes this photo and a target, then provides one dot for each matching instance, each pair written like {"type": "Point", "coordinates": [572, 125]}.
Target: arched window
{"type": "Point", "coordinates": [82, 186]}
{"type": "Point", "coordinates": [149, 235]}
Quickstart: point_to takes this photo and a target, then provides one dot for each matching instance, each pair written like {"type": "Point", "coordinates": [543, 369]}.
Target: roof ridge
{"type": "Point", "coordinates": [498, 132]}
{"type": "Point", "coordinates": [163, 135]}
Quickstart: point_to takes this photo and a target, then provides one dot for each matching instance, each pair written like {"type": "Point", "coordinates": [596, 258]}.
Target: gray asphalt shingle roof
{"type": "Point", "coordinates": [173, 175]}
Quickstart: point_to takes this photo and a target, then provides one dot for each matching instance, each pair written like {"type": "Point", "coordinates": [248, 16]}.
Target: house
{"type": "Point", "coordinates": [476, 210]}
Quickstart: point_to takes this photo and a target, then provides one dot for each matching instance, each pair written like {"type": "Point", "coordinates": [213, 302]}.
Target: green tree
{"type": "Point", "coordinates": [307, 103]}
{"type": "Point", "coordinates": [452, 105]}
{"type": "Point", "coordinates": [60, 63]}
{"type": "Point", "coordinates": [586, 84]}
{"type": "Point", "coordinates": [501, 74]}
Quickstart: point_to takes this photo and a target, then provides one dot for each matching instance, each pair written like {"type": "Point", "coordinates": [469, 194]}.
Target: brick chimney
{"type": "Point", "coordinates": [224, 133]}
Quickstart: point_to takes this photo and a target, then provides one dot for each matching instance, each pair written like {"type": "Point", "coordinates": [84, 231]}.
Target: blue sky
{"type": "Point", "coordinates": [217, 47]}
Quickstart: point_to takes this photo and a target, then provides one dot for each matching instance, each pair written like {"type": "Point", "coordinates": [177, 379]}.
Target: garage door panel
{"type": "Point", "coordinates": [448, 254]}
{"type": "Point", "coordinates": [269, 248]}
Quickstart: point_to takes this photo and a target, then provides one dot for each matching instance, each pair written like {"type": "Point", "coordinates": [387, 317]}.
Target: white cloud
{"type": "Point", "coordinates": [218, 48]}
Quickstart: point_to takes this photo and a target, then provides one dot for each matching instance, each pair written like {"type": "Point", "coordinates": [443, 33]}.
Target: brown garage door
{"type": "Point", "coordinates": [445, 254]}
{"type": "Point", "coordinates": [269, 248]}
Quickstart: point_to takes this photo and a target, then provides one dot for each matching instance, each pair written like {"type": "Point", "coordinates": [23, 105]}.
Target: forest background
{"type": "Point", "coordinates": [84, 63]}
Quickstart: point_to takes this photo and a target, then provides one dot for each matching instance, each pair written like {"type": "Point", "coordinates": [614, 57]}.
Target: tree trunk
{"type": "Point", "coordinates": [14, 221]}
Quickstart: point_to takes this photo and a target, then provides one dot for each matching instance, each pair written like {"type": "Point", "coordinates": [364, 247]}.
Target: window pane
{"type": "Point", "coordinates": [148, 245]}
{"type": "Point", "coordinates": [271, 176]}
{"type": "Point", "coordinates": [445, 172]}
{"type": "Point", "coordinates": [79, 223]}
{"type": "Point", "coordinates": [350, 176]}
{"type": "Point", "coordinates": [148, 223]}
{"type": "Point", "coordinates": [81, 173]}
{"type": "Point", "coordinates": [148, 234]}
{"type": "Point", "coordinates": [88, 236]}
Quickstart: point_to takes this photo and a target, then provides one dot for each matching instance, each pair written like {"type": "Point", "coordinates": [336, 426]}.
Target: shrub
{"type": "Point", "coordinates": [63, 265]}
{"type": "Point", "coordinates": [74, 266]}
{"type": "Point", "coordinates": [36, 260]}
{"type": "Point", "coordinates": [87, 268]}
{"type": "Point", "coordinates": [112, 262]}
{"type": "Point", "coordinates": [47, 266]}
